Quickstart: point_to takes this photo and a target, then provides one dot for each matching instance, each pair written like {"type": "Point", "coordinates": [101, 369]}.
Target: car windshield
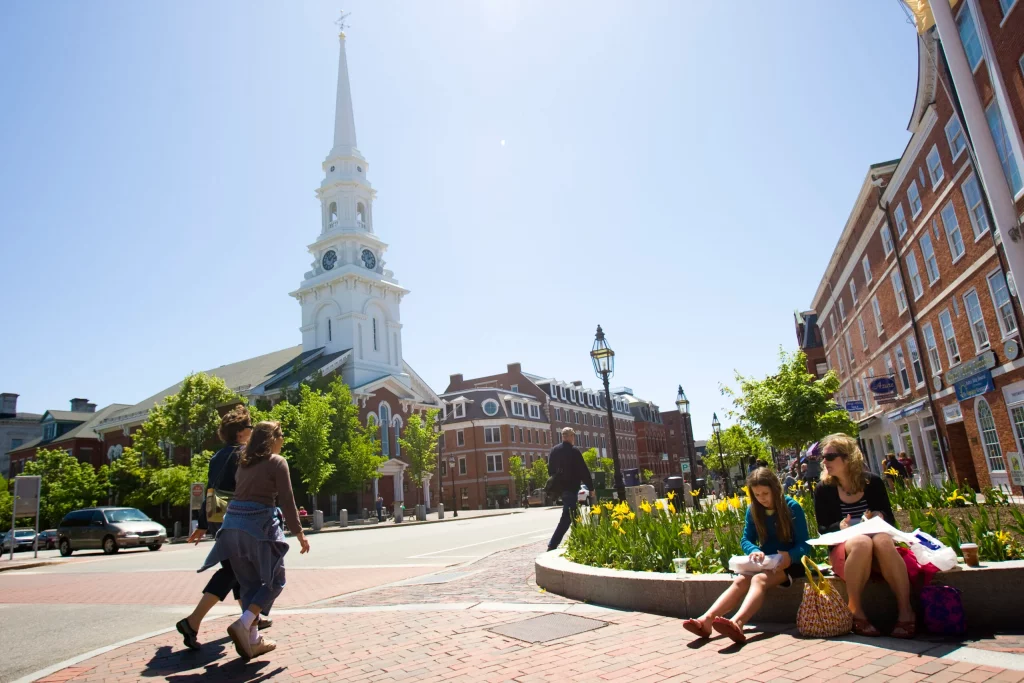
{"type": "Point", "coordinates": [24, 534]}
{"type": "Point", "coordinates": [128, 515]}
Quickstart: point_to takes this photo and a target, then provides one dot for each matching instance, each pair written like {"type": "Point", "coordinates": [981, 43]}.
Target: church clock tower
{"type": "Point", "coordinates": [350, 301]}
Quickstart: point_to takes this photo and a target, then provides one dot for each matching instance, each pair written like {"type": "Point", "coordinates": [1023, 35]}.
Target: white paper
{"type": "Point", "coordinates": [741, 564]}
{"type": "Point", "coordinates": [875, 525]}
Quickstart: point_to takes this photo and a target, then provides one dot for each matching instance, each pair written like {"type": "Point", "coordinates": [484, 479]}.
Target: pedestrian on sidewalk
{"type": "Point", "coordinates": [569, 470]}
{"type": "Point", "coordinates": [380, 508]}
{"type": "Point", "coordinates": [251, 537]}
{"type": "Point", "coordinates": [894, 469]}
{"type": "Point", "coordinates": [235, 430]}
{"type": "Point", "coordinates": [775, 524]}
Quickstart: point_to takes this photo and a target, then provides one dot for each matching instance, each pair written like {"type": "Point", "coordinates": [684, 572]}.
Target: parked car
{"type": "Point", "coordinates": [538, 498]}
{"type": "Point", "coordinates": [48, 539]}
{"type": "Point", "coordinates": [109, 529]}
{"type": "Point", "coordinates": [22, 540]}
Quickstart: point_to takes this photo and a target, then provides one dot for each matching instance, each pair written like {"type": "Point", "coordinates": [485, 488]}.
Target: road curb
{"type": "Point", "coordinates": [29, 565]}
{"type": "Point", "coordinates": [392, 525]}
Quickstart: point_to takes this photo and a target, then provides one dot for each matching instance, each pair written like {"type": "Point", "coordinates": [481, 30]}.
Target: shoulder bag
{"type": "Point", "coordinates": [822, 613]}
{"type": "Point", "coordinates": [217, 499]}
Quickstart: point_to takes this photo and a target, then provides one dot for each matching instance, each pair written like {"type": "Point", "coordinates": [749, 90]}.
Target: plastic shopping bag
{"type": "Point", "coordinates": [741, 564]}
{"type": "Point", "coordinates": [930, 550]}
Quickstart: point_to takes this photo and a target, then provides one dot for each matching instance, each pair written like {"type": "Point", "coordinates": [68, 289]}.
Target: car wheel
{"type": "Point", "coordinates": [155, 547]}
{"type": "Point", "coordinates": [65, 548]}
{"type": "Point", "coordinates": [109, 545]}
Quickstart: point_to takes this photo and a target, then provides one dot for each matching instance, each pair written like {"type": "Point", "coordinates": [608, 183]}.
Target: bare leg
{"type": "Point", "coordinates": [894, 569]}
{"type": "Point", "coordinates": [726, 602]}
{"type": "Point", "coordinates": [755, 597]}
{"type": "Point", "coordinates": [206, 603]}
{"type": "Point", "coordinates": [858, 571]}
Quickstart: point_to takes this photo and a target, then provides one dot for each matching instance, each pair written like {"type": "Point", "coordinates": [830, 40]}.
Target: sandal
{"type": "Point", "coordinates": [694, 627]}
{"type": "Point", "coordinates": [904, 630]}
{"type": "Point", "coordinates": [863, 627]}
{"type": "Point", "coordinates": [729, 629]}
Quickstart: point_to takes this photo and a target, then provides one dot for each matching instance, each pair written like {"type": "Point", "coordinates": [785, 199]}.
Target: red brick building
{"type": "Point", "coordinates": [916, 290]}
{"type": "Point", "coordinates": [72, 431]}
{"type": "Point", "coordinates": [808, 338]}
{"type": "Point", "coordinates": [651, 437]}
{"type": "Point", "coordinates": [681, 445]}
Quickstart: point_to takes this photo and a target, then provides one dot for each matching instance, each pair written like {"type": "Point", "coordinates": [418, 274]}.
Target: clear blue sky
{"type": "Point", "coordinates": [677, 172]}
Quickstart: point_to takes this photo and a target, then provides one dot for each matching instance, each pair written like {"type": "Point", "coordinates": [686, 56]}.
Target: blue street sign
{"type": "Point", "coordinates": [975, 385]}
{"type": "Point", "coordinates": [854, 406]}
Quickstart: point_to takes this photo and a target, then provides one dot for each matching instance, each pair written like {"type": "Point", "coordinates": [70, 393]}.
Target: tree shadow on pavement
{"type": "Point", "coordinates": [218, 662]}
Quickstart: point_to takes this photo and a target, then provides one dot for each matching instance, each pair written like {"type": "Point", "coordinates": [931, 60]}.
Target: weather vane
{"type": "Point", "coordinates": [342, 25]}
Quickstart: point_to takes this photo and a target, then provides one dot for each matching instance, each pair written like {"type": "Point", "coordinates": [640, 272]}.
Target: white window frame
{"type": "Point", "coordinates": [492, 434]}
{"type": "Point", "coordinates": [534, 411]}
{"type": "Point", "coordinates": [463, 469]}
{"type": "Point", "coordinates": [866, 265]}
{"type": "Point", "coordinates": [928, 256]}
{"type": "Point", "coordinates": [1004, 311]}
{"type": "Point", "coordinates": [1004, 149]}
{"type": "Point", "coordinates": [853, 291]}
{"type": "Point", "coordinates": [950, 231]}
{"type": "Point", "coordinates": [949, 332]}
{"type": "Point", "coordinates": [887, 244]}
{"type": "Point", "coordinates": [900, 217]}
{"type": "Point", "coordinates": [849, 348]}
{"type": "Point", "coordinates": [832, 322]}
{"type": "Point", "coordinates": [842, 310]}
{"type": "Point", "coordinates": [993, 451]}
{"type": "Point", "coordinates": [974, 25]}
{"type": "Point", "coordinates": [863, 332]}
{"type": "Point", "coordinates": [898, 291]}
{"type": "Point", "coordinates": [935, 170]}
{"type": "Point", "coordinates": [975, 211]}
{"type": "Point", "coordinates": [490, 402]}
{"type": "Point", "coordinates": [460, 438]}
{"type": "Point", "coordinates": [914, 273]}
{"type": "Point", "coordinates": [914, 199]}
{"type": "Point", "coordinates": [979, 344]}
{"type": "Point", "coordinates": [876, 309]}
{"type": "Point", "coordinates": [954, 149]}
{"type": "Point", "coordinates": [932, 347]}
{"type": "Point", "coordinates": [517, 408]}
{"type": "Point", "coordinates": [915, 361]}
{"type": "Point", "coordinates": [460, 409]}
{"type": "Point", "coordinates": [890, 369]}
{"type": "Point", "coordinates": [901, 368]}
{"type": "Point", "coordinates": [515, 388]}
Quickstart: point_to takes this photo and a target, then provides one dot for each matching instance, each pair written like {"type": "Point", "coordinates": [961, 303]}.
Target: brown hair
{"type": "Point", "coordinates": [261, 443]}
{"type": "Point", "coordinates": [234, 422]}
{"type": "Point", "coordinates": [847, 447]}
{"type": "Point", "coordinates": [763, 476]}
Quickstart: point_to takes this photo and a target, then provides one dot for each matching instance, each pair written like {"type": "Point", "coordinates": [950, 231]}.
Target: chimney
{"type": "Point", "coordinates": [515, 367]}
{"type": "Point", "coordinates": [577, 383]}
{"type": "Point", "coordinates": [454, 382]}
{"type": "Point", "coordinates": [82, 405]}
{"type": "Point", "coordinates": [8, 405]}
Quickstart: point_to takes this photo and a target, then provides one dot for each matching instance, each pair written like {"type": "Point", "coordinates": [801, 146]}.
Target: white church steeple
{"type": "Point", "coordinates": [350, 302]}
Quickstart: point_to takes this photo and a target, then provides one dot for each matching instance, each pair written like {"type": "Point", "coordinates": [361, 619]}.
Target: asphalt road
{"type": "Point", "coordinates": [39, 635]}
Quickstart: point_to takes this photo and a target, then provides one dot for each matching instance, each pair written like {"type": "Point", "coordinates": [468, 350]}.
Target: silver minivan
{"type": "Point", "coordinates": [109, 529]}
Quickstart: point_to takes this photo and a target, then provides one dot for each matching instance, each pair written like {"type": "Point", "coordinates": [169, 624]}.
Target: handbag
{"type": "Point", "coordinates": [943, 610]}
{"type": "Point", "coordinates": [217, 500]}
{"type": "Point", "coordinates": [822, 613]}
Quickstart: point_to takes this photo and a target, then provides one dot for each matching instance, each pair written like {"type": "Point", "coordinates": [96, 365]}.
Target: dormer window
{"type": "Point", "coordinates": [534, 411]}
{"type": "Point", "coordinates": [554, 390]}
{"type": "Point", "coordinates": [515, 388]}
{"type": "Point", "coordinates": [561, 390]}
{"type": "Point", "coordinates": [517, 408]}
{"type": "Point", "coordinates": [50, 431]}
{"type": "Point", "coordinates": [460, 410]}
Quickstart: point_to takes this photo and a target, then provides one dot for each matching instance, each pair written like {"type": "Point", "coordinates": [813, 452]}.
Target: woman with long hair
{"type": "Point", "coordinates": [775, 524]}
{"type": "Point", "coordinates": [847, 495]}
{"type": "Point", "coordinates": [251, 537]}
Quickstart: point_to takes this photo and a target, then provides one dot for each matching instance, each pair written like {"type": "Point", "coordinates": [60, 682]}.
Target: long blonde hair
{"type": "Point", "coordinates": [763, 476]}
{"type": "Point", "coordinates": [847, 446]}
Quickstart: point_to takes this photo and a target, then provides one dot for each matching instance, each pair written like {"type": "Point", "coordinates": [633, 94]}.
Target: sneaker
{"type": "Point", "coordinates": [189, 634]}
{"type": "Point", "coordinates": [263, 646]}
{"type": "Point", "coordinates": [240, 637]}
{"type": "Point", "coordinates": [263, 623]}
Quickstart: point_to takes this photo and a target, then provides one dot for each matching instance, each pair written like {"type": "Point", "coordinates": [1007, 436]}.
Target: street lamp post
{"type": "Point", "coordinates": [684, 411]}
{"type": "Point", "coordinates": [716, 427]}
{"type": "Point", "coordinates": [451, 463]}
{"type": "Point", "coordinates": [604, 366]}
{"type": "Point", "coordinates": [451, 468]}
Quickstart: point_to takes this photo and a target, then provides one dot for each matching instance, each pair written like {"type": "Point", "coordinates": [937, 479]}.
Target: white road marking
{"type": "Point", "coordinates": [473, 545]}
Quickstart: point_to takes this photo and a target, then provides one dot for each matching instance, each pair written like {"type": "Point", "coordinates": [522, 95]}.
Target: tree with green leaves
{"type": "Point", "coordinates": [539, 473]}
{"type": "Point", "coordinates": [66, 484]}
{"type": "Point", "coordinates": [519, 475]}
{"type": "Point", "coordinates": [311, 450]}
{"type": "Point", "coordinates": [355, 444]}
{"type": "Point", "coordinates": [590, 457]}
{"type": "Point", "coordinates": [191, 417]}
{"type": "Point", "coordinates": [646, 476]}
{"type": "Point", "coordinates": [791, 408]}
{"type": "Point", "coordinates": [739, 444]}
{"type": "Point", "coordinates": [419, 446]}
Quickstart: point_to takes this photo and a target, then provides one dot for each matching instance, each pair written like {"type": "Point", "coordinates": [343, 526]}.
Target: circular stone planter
{"type": "Point", "coordinates": [992, 596]}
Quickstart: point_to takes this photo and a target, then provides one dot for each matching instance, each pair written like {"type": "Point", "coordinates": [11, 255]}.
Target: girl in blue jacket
{"type": "Point", "coordinates": [775, 524]}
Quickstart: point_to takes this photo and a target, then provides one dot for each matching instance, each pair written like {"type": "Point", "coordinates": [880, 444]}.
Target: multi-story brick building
{"type": "Point", "coordinates": [489, 419]}
{"type": "Point", "coordinates": [682, 447]}
{"type": "Point", "coordinates": [15, 429]}
{"type": "Point", "coordinates": [808, 337]}
{"type": "Point", "coordinates": [916, 290]}
{"type": "Point", "coordinates": [73, 431]}
{"type": "Point", "coordinates": [651, 437]}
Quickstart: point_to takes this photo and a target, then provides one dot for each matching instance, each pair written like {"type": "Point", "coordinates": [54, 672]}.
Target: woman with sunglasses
{"type": "Point", "coordinates": [847, 495]}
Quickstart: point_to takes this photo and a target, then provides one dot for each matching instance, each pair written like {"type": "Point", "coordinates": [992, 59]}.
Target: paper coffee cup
{"type": "Point", "coordinates": [970, 553]}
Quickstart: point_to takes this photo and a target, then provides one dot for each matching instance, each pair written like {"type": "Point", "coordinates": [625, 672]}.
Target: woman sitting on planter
{"type": "Point", "coordinates": [775, 524]}
{"type": "Point", "coordinates": [849, 494]}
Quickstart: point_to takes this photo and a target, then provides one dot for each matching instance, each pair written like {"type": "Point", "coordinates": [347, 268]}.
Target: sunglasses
{"type": "Point", "coordinates": [831, 456]}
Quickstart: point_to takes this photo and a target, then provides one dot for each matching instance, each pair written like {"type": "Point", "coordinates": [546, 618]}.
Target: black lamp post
{"type": "Point", "coordinates": [604, 366]}
{"type": "Point", "coordinates": [684, 411]}
{"type": "Point", "coordinates": [451, 464]}
{"type": "Point", "coordinates": [451, 468]}
{"type": "Point", "coordinates": [716, 427]}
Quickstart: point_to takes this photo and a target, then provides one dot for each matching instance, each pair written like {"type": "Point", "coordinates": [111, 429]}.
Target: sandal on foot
{"type": "Point", "coordinates": [189, 634]}
{"type": "Point", "coordinates": [904, 630]}
{"type": "Point", "coordinates": [863, 627]}
{"type": "Point", "coordinates": [694, 627]}
{"type": "Point", "coordinates": [729, 629]}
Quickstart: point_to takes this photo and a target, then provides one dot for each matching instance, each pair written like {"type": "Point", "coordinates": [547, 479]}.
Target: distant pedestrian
{"type": "Point", "coordinates": [894, 469]}
{"type": "Point", "coordinates": [251, 537]}
{"type": "Point", "coordinates": [235, 430]}
{"type": "Point", "coordinates": [380, 508]}
{"type": "Point", "coordinates": [569, 470]}
{"type": "Point", "coordinates": [908, 465]}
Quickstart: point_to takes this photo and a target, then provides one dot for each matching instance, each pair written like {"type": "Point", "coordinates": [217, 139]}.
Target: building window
{"type": "Point", "coordinates": [517, 408]}
{"type": "Point", "coordinates": [987, 428]}
{"type": "Point", "coordinates": [460, 438]}
{"type": "Point", "coordinates": [955, 137]}
{"type": "Point", "coordinates": [534, 411]}
{"type": "Point", "coordinates": [898, 291]}
{"type": "Point", "coordinates": [842, 310]}
{"type": "Point", "coordinates": [462, 471]}
{"type": "Point", "coordinates": [935, 170]}
{"type": "Point", "coordinates": [561, 390]}
{"type": "Point", "coordinates": [976, 210]}
{"type": "Point", "coordinates": [887, 240]}
{"type": "Point", "coordinates": [444, 468]}
{"type": "Point", "coordinates": [398, 442]}
{"type": "Point", "coordinates": [914, 199]}
{"type": "Point", "coordinates": [1001, 301]}
{"type": "Point", "coordinates": [933, 348]}
{"type": "Point", "coordinates": [916, 285]}
{"type": "Point", "coordinates": [554, 391]}
{"type": "Point", "coordinates": [901, 220]}
{"type": "Point", "coordinates": [863, 334]}
{"type": "Point", "coordinates": [492, 435]}
{"type": "Point", "coordinates": [930, 264]}
{"type": "Point", "coordinates": [385, 420]}
{"type": "Point", "coordinates": [969, 37]}
{"type": "Point", "coordinates": [853, 291]}
{"type": "Point", "coordinates": [949, 337]}
{"type": "Point", "coordinates": [915, 360]}
{"type": "Point", "coordinates": [376, 346]}
{"type": "Point", "coordinates": [515, 388]}
{"type": "Point", "coordinates": [866, 265]}
{"type": "Point", "coordinates": [329, 329]}
{"type": "Point", "coordinates": [877, 311]}
{"type": "Point", "coordinates": [1002, 140]}
{"type": "Point", "coordinates": [512, 434]}
{"type": "Point", "coordinates": [1006, 5]}
{"type": "Point", "coordinates": [901, 365]}
{"type": "Point", "coordinates": [494, 462]}
{"type": "Point", "coordinates": [952, 225]}
{"type": "Point", "coordinates": [490, 407]}
{"type": "Point", "coordinates": [529, 436]}
{"type": "Point", "coordinates": [849, 349]}
{"type": "Point", "coordinates": [978, 329]}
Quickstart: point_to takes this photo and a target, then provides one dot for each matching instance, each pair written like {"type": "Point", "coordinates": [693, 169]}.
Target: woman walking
{"type": "Point", "coordinates": [251, 538]}
{"type": "Point", "coordinates": [847, 495]}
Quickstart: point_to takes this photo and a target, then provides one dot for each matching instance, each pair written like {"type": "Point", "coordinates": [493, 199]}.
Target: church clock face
{"type": "Point", "coordinates": [329, 259]}
{"type": "Point", "coordinates": [369, 260]}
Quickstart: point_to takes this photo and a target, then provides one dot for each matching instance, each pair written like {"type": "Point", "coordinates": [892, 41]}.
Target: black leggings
{"type": "Point", "coordinates": [223, 581]}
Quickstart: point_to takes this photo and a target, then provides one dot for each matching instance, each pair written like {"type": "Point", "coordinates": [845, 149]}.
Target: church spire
{"type": "Point", "coordinates": [344, 120]}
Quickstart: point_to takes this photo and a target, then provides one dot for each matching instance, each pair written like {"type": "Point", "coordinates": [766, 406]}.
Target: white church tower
{"type": "Point", "coordinates": [350, 302]}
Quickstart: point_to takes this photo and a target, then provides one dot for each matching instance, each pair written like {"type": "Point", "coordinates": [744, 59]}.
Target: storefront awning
{"type": "Point", "coordinates": [867, 422]}
{"type": "Point", "coordinates": [906, 411]}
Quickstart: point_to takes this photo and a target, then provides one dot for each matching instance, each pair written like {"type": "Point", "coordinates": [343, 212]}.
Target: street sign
{"type": "Point", "coordinates": [854, 406]}
{"type": "Point", "coordinates": [974, 385]}
{"type": "Point", "coordinates": [26, 504]}
{"type": "Point", "coordinates": [197, 496]}
{"type": "Point", "coordinates": [686, 467]}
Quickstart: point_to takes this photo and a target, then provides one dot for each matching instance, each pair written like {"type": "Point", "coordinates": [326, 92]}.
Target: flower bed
{"type": "Point", "coordinates": [615, 537]}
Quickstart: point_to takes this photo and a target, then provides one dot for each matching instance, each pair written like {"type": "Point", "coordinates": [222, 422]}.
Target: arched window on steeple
{"type": "Point", "coordinates": [361, 216]}
{"type": "Point", "coordinates": [328, 329]}
{"type": "Point", "coordinates": [397, 424]}
{"type": "Point", "coordinates": [332, 213]}
{"type": "Point", "coordinates": [385, 420]}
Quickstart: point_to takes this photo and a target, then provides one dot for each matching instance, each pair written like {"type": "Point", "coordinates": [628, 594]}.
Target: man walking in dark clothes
{"type": "Point", "coordinates": [566, 464]}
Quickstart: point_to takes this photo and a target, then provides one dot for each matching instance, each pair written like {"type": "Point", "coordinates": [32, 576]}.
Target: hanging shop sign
{"type": "Point", "coordinates": [854, 406]}
{"type": "Point", "coordinates": [883, 389]}
{"type": "Point", "coordinates": [974, 366]}
{"type": "Point", "coordinates": [1016, 463]}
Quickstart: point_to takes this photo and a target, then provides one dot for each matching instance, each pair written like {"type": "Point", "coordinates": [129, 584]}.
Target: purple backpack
{"type": "Point", "coordinates": [943, 610]}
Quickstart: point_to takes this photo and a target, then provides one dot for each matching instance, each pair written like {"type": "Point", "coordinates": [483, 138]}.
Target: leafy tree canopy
{"type": "Point", "coordinates": [67, 484]}
{"type": "Point", "coordinates": [419, 446]}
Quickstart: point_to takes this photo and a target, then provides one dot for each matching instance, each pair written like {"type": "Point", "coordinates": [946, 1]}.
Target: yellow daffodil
{"type": "Point", "coordinates": [672, 508]}
{"type": "Point", "coordinates": [615, 524]}
{"type": "Point", "coordinates": [622, 531]}
{"type": "Point", "coordinates": [956, 498]}
{"type": "Point", "coordinates": [659, 505]}
{"type": "Point", "coordinates": [892, 472]}
{"type": "Point", "coordinates": [609, 505]}
{"type": "Point", "coordinates": [734, 502]}
{"type": "Point", "coordinates": [1003, 537]}
{"type": "Point", "coordinates": [671, 495]}
{"type": "Point", "coordinates": [622, 509]}
{"type": "Point", "coordinates": [632, 515]}
{"type": "Point", "coordinates": [645, 506]}
{"type": "Point", "coordinates": [596, 510]}
{"type": "Point", "coordinates": [746, 491]}
{"type": "Point", "coordinates": [722, 506]}
{"type": "Point", "coordinates": [695, 493]}
{"type": "Point", "coordinates": [686, 531]}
